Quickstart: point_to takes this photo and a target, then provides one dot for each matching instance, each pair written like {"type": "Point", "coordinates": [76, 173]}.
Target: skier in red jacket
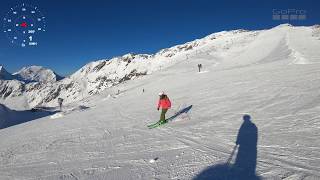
{"type": "Point", "coordinates": [165, 104]}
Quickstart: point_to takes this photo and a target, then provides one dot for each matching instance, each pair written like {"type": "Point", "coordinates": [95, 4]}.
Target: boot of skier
{"type": "Point", "coordinates": [165, 104]}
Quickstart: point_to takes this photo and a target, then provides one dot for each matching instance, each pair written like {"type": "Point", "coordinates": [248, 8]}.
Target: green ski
{"type": "Point", "coordinates": [157, 124]}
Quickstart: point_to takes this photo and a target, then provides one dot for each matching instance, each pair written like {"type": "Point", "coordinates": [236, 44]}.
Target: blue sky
{"type": "Point", "coordinates": [80, 31]}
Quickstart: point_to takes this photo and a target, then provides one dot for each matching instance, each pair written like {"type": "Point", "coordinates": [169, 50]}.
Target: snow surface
{"type": "Point", "coordinates": [272, 75]}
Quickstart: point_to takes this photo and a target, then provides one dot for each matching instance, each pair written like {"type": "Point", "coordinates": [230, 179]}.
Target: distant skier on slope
{"type": "Point", "coordinates": [165, 104]}
{"type": "Point", "coordinates": [199, 67]}
{"type": "Point", "coordinates": [60, 101]}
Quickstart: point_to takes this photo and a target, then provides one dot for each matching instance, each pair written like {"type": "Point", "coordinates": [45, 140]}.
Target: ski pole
{"type": "Point", "coordinates": [231, 155]}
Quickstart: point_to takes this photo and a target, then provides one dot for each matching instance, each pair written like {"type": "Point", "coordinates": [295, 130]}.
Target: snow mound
{"type": "Point", "coordinates": [153, 160]}
{"type": "Point", "coordinates": [67, 111]}
{"type": "Point", "coordinates": [298, 58]}
{"type": "Point", "coordinates": [202, 72]}
{"type": "Point", "coordinates": [57, 115]}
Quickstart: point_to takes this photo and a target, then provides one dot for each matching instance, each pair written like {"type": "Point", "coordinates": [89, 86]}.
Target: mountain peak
{"type": "Point", "coordinates": [37, 74]}
{"type": "Point", "coordinates": [34, 67]}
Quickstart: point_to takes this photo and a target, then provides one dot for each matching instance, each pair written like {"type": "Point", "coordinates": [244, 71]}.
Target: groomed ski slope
{"type": "Point", "coordinates": [274, 77]}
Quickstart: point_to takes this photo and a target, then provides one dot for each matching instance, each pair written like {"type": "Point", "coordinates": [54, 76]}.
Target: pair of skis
{"type": "Point", "coordinates": [180, 112]}
{"type": "Point", "coordinates": [157, 124]}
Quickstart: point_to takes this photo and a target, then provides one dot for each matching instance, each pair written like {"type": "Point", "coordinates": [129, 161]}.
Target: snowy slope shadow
{"type": "Point", "coordinates": [245, 163]}
{"type": "Point", "coordinates": [10, 117]}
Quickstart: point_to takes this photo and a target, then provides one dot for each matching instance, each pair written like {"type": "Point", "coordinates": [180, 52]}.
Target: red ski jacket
{"type": "Point", "coordinates": [164, 103]}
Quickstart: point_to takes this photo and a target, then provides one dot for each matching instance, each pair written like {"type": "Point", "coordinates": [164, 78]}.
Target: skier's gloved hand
{"type": "Point", "coordinates": [158, 109]}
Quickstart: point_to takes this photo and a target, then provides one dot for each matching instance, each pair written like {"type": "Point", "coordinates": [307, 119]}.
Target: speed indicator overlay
{"type": "Point", "coordinates": [23, 24]}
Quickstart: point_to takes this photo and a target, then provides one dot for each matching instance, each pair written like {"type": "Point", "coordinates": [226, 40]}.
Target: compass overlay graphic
{"type": "Point", "coordinates": [23, 24]}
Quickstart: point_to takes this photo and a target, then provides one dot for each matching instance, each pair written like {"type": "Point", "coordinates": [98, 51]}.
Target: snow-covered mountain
{"type": "Point", "coordinates": [272, 75]}
{"type": "Point", "coordinates": [37, 74]}
{"type": "Point", "coordinates": [14, 88]}
{"type": "Point", "coordinates": [224, 49]}
{"type": "Point", "coordinates": [31, 74]}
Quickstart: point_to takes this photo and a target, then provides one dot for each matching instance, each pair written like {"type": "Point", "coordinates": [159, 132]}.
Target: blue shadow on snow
{"type": "Point", "coordinates": [9, 117]}
{"type": "Point", "coordinates": [245, 163]}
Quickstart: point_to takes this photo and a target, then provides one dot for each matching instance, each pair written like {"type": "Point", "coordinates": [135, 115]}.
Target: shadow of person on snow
{"type": "Point", "coordinates": [9, 117]}
{"type": "Point", "coordinates": [245, 163]}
